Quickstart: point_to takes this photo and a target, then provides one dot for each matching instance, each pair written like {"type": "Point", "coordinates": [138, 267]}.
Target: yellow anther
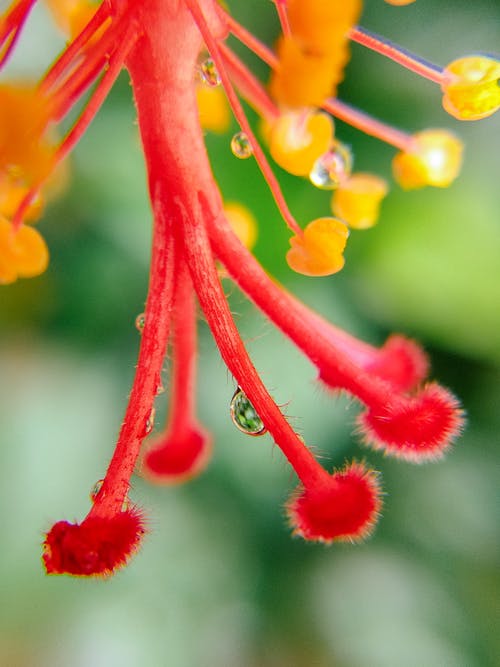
{"type": "Point", "coordinates": [303, 78]}
{"type": "Point", "coordinates": [23, 254]}
{"type": "Point", "coordinates": [357, 200]}
{"type": "Point", "coordinates": [243, 223]}
{"type": "Point", "coordinates": [72, 15]}
{"type": "Point", "coordinates": [297, 139]}
{"type": "Point", "coordinates": [213, 109]}
{"type": "Point", "coordinates": [399, 3]}
{"type": "Point", "coordinates": [322, 26]}
{"type": "Point", "coordinates": [434, 159]}
{"type": "Point", "coordinates": [318, 252]}
{"type": "Point", "coordinates": [472, 87]}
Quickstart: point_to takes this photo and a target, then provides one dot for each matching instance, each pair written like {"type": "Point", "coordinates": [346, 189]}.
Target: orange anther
{"type": "Point", "coordinates": [23, 254]}
{"type": "Point", "coordinates": [322, 27]}
{"type": "Point", "coordinates": [305, 79]}
{"type": "Point", "coordinates": [318, 252]}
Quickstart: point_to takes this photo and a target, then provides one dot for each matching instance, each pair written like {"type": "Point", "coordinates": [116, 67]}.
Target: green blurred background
{"type": "Point", "coordinates": [219, 581]}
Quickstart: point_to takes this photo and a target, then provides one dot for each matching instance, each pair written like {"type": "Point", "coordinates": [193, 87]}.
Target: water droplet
{"type": "Point", "coordinates": [331, 168]}
{"type": "Point", "coordinates": [241, 146]}
{"type": "Point", "coordinates": [209, 73]}
{"type": "Point", "coordinates": [244, 416]}
{"type": "Point", "coordinates": [140, 321]}
{"type": "Point", "coordinates": [150, 422]}
{"type": "Point", "coordinates": [95, 490]}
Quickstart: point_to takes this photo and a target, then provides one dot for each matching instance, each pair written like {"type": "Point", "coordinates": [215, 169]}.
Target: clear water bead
{"type": "Point", "coordinates": [331, 168]}
{"type": "Point", "coordinates": [244, 416]}
{"type": "Point", "coordinates": [241, 146]}
{"type": "Point", "coordinates": [95, 490]}
{"type": "Point", "coordinates": [209, 73]}
{"type": "Point", "coordinates": [140, 321]}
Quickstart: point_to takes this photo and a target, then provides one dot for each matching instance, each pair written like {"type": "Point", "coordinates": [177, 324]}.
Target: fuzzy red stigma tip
{"type": "Point", "coordinates": [402, 362]}
{"type": "Point", "coordinates": [344, 508]}
{"type": "Point", "coordinates": [96, 547]}
{"type": "Point", "coordinates": [417, 428]}
{"type": "Point", "coordinates": [176, 458]}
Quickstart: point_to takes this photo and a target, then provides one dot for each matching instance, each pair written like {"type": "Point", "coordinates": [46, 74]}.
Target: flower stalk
{"type": "Point", "coordinates": [159, 42]}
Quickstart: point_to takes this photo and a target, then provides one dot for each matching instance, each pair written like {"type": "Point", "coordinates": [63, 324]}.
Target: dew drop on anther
{"type": "Point", "coordinates": [331, 168]}
{"type": "Point", "coordinates": [209, 73]}
{"type": "Point", "coordinates": [140, 321]}
{"type": "Point", "coordinates": [241, 146]}
{"type": "Point", "coordinates": [95, 490]}
{"type": "Point", "coordinates": [244, 416]}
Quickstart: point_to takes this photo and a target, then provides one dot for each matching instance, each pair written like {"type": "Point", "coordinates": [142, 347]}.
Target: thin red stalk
{"type": "Point", "coordinates": [213, 302]}
{"type": "Point", "coordinates": [66, 60]}
{"type": "Point", "coordinates": [239, 113]}
{"type": "Point", "coordinates": [398, 54]}
{"type": "Point", "coordinates": [9, 47]}
{"type": "Point", "coordinates": [15, 17]}
{"type": "Point", "coordinates": [368, 125]}
{"type": "Point", "coordinates": [13, 23]}
{"type": "Point", "coordinates": [280, 309]}
{"type": "Point", "coordinates": [182, 400]}
{"type": "Point", "coordinates": [83, 122]}
{"type": "Point", "coordinates": [283, 17]}
{"type": "Point", "coordinates": [249, 86]}
{"type": "Point", "coordinates": [258, 98]}
{"type": "Point", "coordinates": [151, 354]}
{"type": "Point", "coordinates": [245, 37]}
{"type": "Point", "coordinates": [70, 92]}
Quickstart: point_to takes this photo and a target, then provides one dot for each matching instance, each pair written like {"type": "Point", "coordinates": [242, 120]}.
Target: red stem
{"type": "Point", "coordinates": [282, 311]}
{"type": "Point", "coordinates": [239, 113]}
{"type": "Point", "coordinates": [368, 124]}
{"type": "Point", "coordinates": [249, 86]}
{"type": "Point", "coordinates": [13, 21]}
{"type": "Point", "coordinates": [183, 394]}
{"type": "Point", "coordinates": [75, 48]}
{"type": "Point", "coordinates": [255, 45]}
{"type": "Point", "coordinates": [83, 122]}
{"type": "Point", "coordinates": [212, 300]}
{"type": "Point", "coordinates": [151, 354]}
{"type": "Point", "coordinates": [283, 17]}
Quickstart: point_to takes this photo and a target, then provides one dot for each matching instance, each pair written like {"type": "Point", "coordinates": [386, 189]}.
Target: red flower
{"type": "Point", "coordinates": [159, 42]}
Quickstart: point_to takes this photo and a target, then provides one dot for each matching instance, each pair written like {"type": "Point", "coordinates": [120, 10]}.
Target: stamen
{"type": "Point", "coordinates": [11, 27]}
{"type": "Point", "coordinates": [248, 39]}
{"type": "Point", "coordinates": [403, 57]}
{"type": "Point", "coordinates": [68, 59]}
{"type": "Point", "coordinates": [239, 113]}
{"type": "Point", "coordinates": [249, 86]}
{"type": "Point", "coordinates": [281, 8]}
{"type": "Point", "coordinates": [80, 127]}
{"type": "Point", "coordinates": [368, 124]}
